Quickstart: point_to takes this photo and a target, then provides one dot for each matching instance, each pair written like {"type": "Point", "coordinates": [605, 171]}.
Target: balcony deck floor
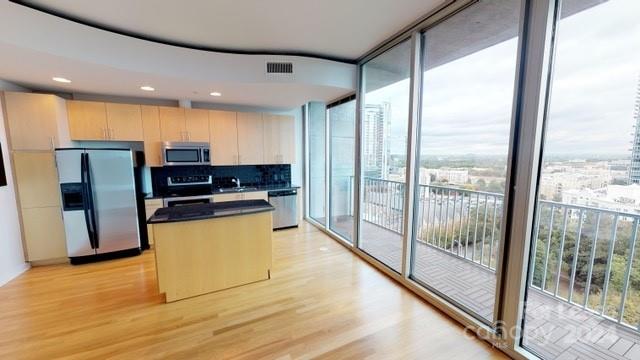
{"type": "Point", "coordinates": [554, 329]}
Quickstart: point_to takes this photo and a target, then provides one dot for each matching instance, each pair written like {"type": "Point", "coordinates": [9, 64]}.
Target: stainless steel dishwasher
{"type": "Point", "coordinates": [286, 204]}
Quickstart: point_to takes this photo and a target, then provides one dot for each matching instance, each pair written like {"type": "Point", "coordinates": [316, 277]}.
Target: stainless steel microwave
{"type": "Point", "coordinates": [185, 153]}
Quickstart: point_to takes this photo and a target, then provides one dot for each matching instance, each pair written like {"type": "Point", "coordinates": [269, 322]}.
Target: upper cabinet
{"type": "Point", "coordinates": [172, 124]}
{"type": "Point", "coordinates": [87, 120]}
{"type": "Point", "coordinates": [250, 138]}
{"type": "Point", "coordinates": [224, 137]}
{"type": "Point", "coordinates": [124, 122]}
{"type": "Point", "coordinates": [39, 122]}
{"type": "Point", "coordinates": [279, 139]}
{"type": "Point", "coordinates": [197, 125]}
{"type": "Point", "coordinates": [91, 120]}
{"type": "Point", "coordinates": [152, 135]}
{"type": "Point", "coordinates": [34, 120]}
{"type": "Point", "coordinates": [179, 124]}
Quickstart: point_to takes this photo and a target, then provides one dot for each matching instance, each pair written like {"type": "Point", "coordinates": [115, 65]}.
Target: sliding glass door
{"type": "Point", "coordinates": [385, 120]}
{"type": "Point", "coordinates": [342, 146]}
{"type": "Point", "coordinates": [467, 105]}
{"type": "Point", "coordinates": [583, 295]}
{"type": "Point", "coordinates": [316, 148]}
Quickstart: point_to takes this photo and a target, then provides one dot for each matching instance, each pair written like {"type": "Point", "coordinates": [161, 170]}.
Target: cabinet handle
{"type": "Point", "coordinates": [52, 143]}
{"type": "Point", "coordinates": [188, 135]}
{"type": "Point", "coordinates": [112, 134]}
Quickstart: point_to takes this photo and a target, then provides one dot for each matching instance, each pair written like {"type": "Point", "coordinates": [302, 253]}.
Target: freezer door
{"type": "Point", "coordinates": [75, 225]}
{"type": "Point", "coordinates": [114, 196]}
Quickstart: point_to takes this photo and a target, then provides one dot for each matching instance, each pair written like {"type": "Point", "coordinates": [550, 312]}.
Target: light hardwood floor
{"type": "Point", "coordinates": [321, 302]}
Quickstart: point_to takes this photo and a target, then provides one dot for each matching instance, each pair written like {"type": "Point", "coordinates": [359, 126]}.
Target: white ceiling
{"type": "Point", "coordinates": [335, 28]}
{"type": "Point", "coordinates": [35, 46]}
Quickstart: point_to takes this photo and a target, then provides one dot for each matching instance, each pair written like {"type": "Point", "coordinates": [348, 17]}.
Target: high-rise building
{"type": "Point", "coordinates": [634, 169]}
{"type": "Point", "coordinates": [374, 146]}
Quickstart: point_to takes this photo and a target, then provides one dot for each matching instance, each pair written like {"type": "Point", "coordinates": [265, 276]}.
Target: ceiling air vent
{"type": "Point", "coordinates": [279, 68]}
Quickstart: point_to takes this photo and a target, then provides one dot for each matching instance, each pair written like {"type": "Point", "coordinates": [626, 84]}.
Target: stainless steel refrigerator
{"type": "Point", "coordinates": [100, 208]}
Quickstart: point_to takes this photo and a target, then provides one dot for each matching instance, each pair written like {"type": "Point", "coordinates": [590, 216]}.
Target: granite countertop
{"type": "Point", "coordinates": [251, 188]}
{"type": "Point", "coordinates": [209, 211]}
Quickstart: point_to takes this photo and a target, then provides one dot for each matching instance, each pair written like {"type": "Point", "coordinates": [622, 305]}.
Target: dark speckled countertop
{"type": "Point", "coordinates": [209, 211]}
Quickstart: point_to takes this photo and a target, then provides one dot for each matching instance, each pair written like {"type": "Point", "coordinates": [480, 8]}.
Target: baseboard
{"type": "Point", "coordinates": [55, 261]}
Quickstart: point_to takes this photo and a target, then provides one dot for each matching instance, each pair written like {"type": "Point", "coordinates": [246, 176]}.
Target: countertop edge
{"type": "Point", "coordinates": [244, 212]}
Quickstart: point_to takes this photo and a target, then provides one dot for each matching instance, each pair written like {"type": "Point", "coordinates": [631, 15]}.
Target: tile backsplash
{"type": "Point", "coordinates": [250, 175]}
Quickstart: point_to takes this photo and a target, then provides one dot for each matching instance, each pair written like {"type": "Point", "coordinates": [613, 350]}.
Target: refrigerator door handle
{"type": "Point", "coordinates": [92, 208]}
{"type": "Point", "coordinates": [85, 198]}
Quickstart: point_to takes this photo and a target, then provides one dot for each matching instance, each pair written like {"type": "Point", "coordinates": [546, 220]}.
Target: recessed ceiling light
{"type": "Point", "coordinates": [61, 79]}
{"type": "Point", "coordinates": [147, 88]}
{"type": "Point", "coordinates": [215, 93]}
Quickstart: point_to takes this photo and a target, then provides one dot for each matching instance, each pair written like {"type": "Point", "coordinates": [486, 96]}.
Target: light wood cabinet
{"type": "Point", "coordinates": [279, 139]}
{"type": "Point", "coordinates": [87, 120]}
{"type": "Point", "coordinates": [197, 125]}
{"type": "Point", "coordinates": [44, 233]}
{"type": "Point", "coordinates": [92, 120]}
{"type": "Point", "coordinates": [33, 120]}
{"type": "Point", "coordinates": [250, 138]}
{"type": "Point", "coordinates": [124, 122]}
{"type": "Point", "coordinates": [39, 195]}
{"type": "Point", "coordinates": [179, 124]}
{"type": "Point", "coordinates": [227, 197]}
{"type": "Point", "coordinates": [224, 137]}
{"type": "Point", "coordinates": [252, 195]}
{"type": "Point", "coordinates": [172, 124]}
{"type": "Point", "coordinates": [287, 139]}
{"type": "Point", "coordinates": [36, 179]}
{"type": "Point", "coordinates": [152, 135]}
{"type": "Point", "coordinates": [256, 195]}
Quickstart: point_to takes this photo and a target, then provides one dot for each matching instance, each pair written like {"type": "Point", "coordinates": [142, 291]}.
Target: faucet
{"type": "Point", "coordinates": [236, 181]}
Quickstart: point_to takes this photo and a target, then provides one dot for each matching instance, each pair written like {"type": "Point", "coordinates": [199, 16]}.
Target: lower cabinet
{"type": "Point", "coordinates": [254, 195]}
{"type": "Point", "coordinates": [39, 195]}
{"type": "Point", "coordinates": [228, 197]}
{"type": "Point", "coordinates": [44, 234]}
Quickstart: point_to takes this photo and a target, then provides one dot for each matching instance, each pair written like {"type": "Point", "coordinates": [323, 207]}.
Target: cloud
{"type": "Point", "coordinates": [467, 103]}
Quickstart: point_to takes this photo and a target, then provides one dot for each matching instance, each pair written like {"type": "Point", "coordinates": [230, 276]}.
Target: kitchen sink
{"type": "Point", "coordinates": [237, 189]}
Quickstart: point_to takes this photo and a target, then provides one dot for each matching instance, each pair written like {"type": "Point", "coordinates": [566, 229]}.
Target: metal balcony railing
{"type": "Point", "coordinates": [583, 255]}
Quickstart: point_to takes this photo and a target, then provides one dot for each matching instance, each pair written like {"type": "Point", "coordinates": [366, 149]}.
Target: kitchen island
{"type": "Point", "coordinates": [209, 247]}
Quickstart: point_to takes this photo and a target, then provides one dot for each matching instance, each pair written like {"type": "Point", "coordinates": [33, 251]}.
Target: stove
{"type": "Point", "coordinates": [189, 180]}
{"type": "Point", "coordinates": [188, 185]}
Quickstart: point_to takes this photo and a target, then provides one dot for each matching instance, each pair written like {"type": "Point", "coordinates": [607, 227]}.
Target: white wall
{"type": "Point", "coordinates": [12, 261]}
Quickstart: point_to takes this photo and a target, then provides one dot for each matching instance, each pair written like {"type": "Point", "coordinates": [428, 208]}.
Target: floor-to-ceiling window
{"type": "Point", "coordinates": [316, 147]}
{"type": "Point", "coordinates": [583, 298]}
{"type": "Point", "coordinates": [384, 129]}
{"type": "Point", "coordinates": [475, 180]}
{"type": "Point", "coordinates": [467, 104]}
{"type": "Point", "coordinates": [342, 135]}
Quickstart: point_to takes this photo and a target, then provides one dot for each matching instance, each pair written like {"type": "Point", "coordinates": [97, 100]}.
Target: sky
{"type": "Point", "coordinates": [467, 103]}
